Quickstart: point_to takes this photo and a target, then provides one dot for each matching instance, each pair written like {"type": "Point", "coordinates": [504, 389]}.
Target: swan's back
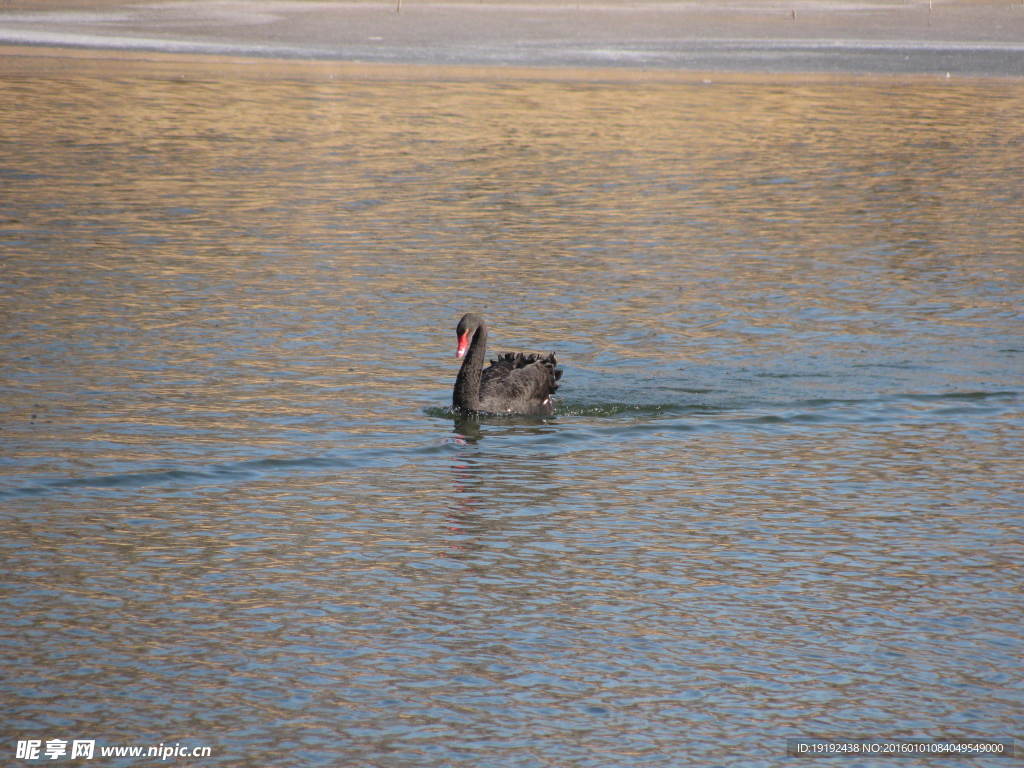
{"type": "Point", "coordinates": [519, 383]}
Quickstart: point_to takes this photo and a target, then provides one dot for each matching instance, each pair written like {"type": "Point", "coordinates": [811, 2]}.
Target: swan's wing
{"type": "Point", "coordinates": [520, 380]}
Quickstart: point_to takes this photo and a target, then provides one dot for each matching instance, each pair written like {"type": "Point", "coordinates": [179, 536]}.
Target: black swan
{"type": "Point", "coordinates": [515, 383]}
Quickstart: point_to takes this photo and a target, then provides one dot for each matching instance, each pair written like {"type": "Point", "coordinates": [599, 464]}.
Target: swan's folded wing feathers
{"type": "Point", "coordinates": [524, 380]}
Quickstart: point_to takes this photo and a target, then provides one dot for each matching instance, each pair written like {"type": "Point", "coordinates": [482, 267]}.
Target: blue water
{"type": "Point", "coordinates": [780, 496]}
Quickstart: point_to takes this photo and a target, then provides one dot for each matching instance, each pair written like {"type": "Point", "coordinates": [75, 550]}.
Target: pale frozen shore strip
{"type": "Point", "coordinates": [814, 36]}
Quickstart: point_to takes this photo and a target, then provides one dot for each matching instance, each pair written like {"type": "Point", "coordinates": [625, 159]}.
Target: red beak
{"type": "Point", "coordinates": [463, 345]}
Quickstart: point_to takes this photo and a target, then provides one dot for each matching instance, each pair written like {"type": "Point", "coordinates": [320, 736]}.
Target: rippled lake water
{"type": "Point", "coordinates": [780, 497]}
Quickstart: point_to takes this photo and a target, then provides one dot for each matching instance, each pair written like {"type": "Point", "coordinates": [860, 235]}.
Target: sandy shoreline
{"type": "Point", "coordinates": [962, 38]}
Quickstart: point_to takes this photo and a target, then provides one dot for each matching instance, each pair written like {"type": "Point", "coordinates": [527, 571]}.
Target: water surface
{"type": "Point", "coordinates": [780, 496]}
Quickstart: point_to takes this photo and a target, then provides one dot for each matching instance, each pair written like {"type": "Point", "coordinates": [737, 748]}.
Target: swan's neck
{"type": "Point", "coordinates": [467, 384]}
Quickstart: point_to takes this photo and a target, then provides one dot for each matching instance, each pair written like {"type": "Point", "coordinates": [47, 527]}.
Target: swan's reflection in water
{"type": "Point", "coordinates": [467, 428]}
{"type": "Point", "coordinates": [495, 485]}
{"type": "Point", "coordinates": [470, 427]}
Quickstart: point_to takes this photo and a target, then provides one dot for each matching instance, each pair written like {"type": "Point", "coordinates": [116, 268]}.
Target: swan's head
{"type": "Point", "coordinates": [464, 330]}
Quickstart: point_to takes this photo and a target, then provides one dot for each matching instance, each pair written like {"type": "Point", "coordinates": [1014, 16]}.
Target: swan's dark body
{"type": "Point", "coordinates": [515, 383]}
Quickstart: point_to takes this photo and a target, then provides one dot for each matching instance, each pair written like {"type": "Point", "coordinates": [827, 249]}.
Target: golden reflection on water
{"type": "Point", "coordinates": [218, 240]}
